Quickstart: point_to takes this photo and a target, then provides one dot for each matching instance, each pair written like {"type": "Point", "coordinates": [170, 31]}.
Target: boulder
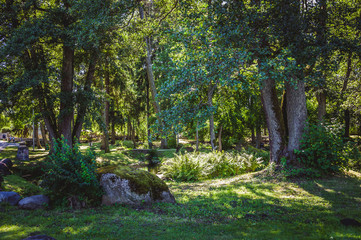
{"type": "Point", "coordinates": [134, 187]}
{"type": "Point", "coordinates": [5, 166]}
{"type": "Point", "coordinates": [39, 237]}
{"type": "Point", "coordinates": [34, 202]}
{"type": "Point", "coordinates": [11, 198]}
{"type": "Point", "coordinates": [23, 153]}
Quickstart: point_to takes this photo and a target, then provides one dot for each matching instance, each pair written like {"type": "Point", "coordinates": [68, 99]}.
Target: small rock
{"type": "Point", "coordinates": [11, 198]}
{"type": "Point", "coordinates": [39, 237]}
{"type": "Point", "coordinates": [34, 202]}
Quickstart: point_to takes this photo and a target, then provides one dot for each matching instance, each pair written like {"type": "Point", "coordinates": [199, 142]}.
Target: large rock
{"type": "Point", "coordinates": [134, 187]}
{"type": "Point", "coordinates": [34, 202]}
{"type": "Point", "coordinates": [5, 166]}
{"type": "Point", "coordinates": [39, 237]}
{"type": "Point", "coordinates": [11, 198]}
{"type": "Point", "coordinates": [23, 153]}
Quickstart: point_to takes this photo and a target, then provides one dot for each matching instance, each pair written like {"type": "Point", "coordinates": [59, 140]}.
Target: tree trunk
{"type": "Point", "coordinates": [347, 117]}
{"type": "Point", "coordinates": [66, 99]}
{"type": "Point", "coordinates": [321, 108]}
{"type": "Point", "coordinates": [211, 118]}
{"type": "Point", "coordinates": [258, 136]}
{"type": "Point", "coordinates": [197, 138]}
{"type": "Point", "coordinates": [36, 136]}
{"type": "Point", "coordinates": [359, 127]}
{"type": "Point", "coordinates": [150, 145]}
{"type": "Point", "coordinates": [83, 104]}
{"type": "Point", "coordinates": [274, 119]}
{"type": "Point", "coordinates": [284, 111]}
{"type": "Point", "coordinates": [296, 115]}
{"type": "Point", "coordinates": [148, 60]}
{"type": "Point", "coordinates": [133, 136]}
{"type": "Point", "coordinates": [43, 134]}
{"type": "Point", "coordinates": [347, 114]}
{"type": "Point", "coordinates": [220, 139]}
{"type": "Point", "coordinates": [105, 139]}
{"type": "Point", "coordinates": [113, 130]}
{"type": "Point", "coordinates": [253, 138]}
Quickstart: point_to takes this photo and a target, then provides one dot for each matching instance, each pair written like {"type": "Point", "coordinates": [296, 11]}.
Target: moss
{"type": "Point", "coordinates": [140, 181]}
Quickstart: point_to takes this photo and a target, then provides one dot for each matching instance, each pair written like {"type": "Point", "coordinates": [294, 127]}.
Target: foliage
{"type": "Point", "coordinates": [71, 173]}
{"type": "Point", "coordinates": [172, 142]}
{"type": "Point", "coordinates": [323, 148]}
{"type": "Point", "coordinates": [127, 144]}
{"type": "Point", "coordinates": [153, 157]}
{"type": "Point", "coordinates": [354, 156]}
{"type": "Point", "coordinates": [196, 166]}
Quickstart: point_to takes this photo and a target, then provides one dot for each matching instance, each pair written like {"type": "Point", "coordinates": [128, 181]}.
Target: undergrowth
{"type": "Point", "coordinates": [197, 166]}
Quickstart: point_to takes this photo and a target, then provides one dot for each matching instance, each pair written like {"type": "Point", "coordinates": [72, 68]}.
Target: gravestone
{"type": "Point", "coordinates": [23, 152]}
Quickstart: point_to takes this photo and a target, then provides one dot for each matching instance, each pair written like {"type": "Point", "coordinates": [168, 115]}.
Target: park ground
{"type": "Point", "coordinates": [259, 205]}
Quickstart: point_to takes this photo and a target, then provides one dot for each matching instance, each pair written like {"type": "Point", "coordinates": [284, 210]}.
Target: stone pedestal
{"type": "Point", "coordinates": [23, 153]}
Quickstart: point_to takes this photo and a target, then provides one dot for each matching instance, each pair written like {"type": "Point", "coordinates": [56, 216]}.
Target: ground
{"type": "Point", "coordinates": [252, 206]}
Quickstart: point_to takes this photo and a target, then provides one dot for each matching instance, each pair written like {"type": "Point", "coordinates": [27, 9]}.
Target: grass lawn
{"type": "Point", "coordinates": [251, 206]}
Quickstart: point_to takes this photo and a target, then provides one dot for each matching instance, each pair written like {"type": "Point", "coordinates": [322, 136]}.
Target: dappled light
{"type": "Point", "coordinates": [171, 119]}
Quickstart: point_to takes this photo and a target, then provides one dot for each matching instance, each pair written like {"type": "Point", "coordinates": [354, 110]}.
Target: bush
{"type": "Point", "coordinates": [323, 149]}
{"type": "Point", "coordinates": [69, 174]}
{"type": "Point", "coordinates": [172, 142]}
{"type": "Point", "coordinates": [127, 144]}
{"type": "Point", "coordinates": [354, 156]}
{"type": "Point", "coordinates": [196, 166]}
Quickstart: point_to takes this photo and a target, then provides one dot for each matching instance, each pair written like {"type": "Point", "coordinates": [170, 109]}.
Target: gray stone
{"type": "Point", "coordinates": [23, 153]}
{"type": "Point", "coordinates": [34, 202]}
{"type": "Point", "coordinates": [134, 187]}
{"type": "Point", "coordinates": [11, 198]}
{"type": "Point", "coordinates": [39, 237]}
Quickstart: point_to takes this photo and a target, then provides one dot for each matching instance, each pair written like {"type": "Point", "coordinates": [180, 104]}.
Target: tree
{"type": "Point", "coordinates": [33, 36]}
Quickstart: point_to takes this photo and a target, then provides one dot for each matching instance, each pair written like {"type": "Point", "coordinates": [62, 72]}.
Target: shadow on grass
{"type": "Point", "coordinates": [343, 193]}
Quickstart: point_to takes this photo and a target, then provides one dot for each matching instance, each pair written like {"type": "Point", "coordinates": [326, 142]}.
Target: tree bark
{"type": "Point", "coordinates": [105, 138]}
{"type": "Point", "coordinates": [113, 129]}
{"type": "Point", "coordinates": [211, 118]}
{"type": "Point", "coordinates": [43, 134]}
{"type": "Point", "coordinates": [296, 115]}
{"type": "Point", "coordinates": [274, 119]}
{"type": "Point", "coordinates": [148, 60]}
{"type": "Point", "coordinates": [150, 145]}
{"type": "Point", "coordinates": [84, 103]}
{"type": "Point", "coordinates": [258, 136]}
{"type": "Point", "coordinates": [220, 139]}
{"type": "Point", "coordinates": [66, 99]}
{"type": "Point", "coordinates": [347, 115]}
{"type": "Point", "coordinates": [36, 136]}
{"type": "Point", "coordinates": [253, 138]}
{"type": "Point", "coordinates": [197, 138]}
{"type": "Point", "coordinates": [321, 108]}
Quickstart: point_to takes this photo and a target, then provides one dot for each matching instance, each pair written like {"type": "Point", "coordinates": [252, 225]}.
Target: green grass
{"type": "Point", "coordinates": [14, 183]}
{"type": "Point", "coordinates": [242, 207]}
{"type": "Point", "coordinates": [251, 206]}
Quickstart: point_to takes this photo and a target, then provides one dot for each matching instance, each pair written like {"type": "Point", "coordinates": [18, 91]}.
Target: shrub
{"type": "Point", "coordinates": [196, 166]}
{"type": "Point", "coordinates": [354, 156]}
{"type": "Point", "coordinates": [127, 144]}
{"type": "Point", "coordinates": [323, 149]}
{"type": "Point", "coordinates": [172, 142]}
{"type": "Point", "coordinates": [70, 173]}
